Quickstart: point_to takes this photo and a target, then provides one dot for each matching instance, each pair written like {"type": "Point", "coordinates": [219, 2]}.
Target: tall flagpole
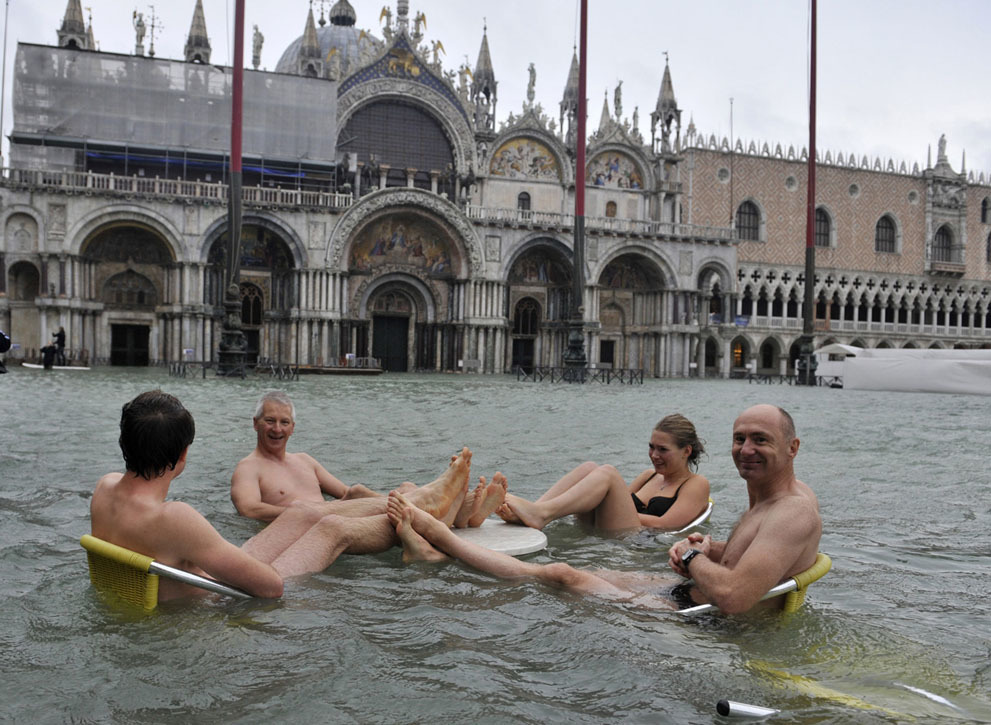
{"type": "Point", "coordinates": [574, 356]}
{"type": "Point", "coordinates": [232, 342]}
{"type": "Point", "coordinates": [806, 360]}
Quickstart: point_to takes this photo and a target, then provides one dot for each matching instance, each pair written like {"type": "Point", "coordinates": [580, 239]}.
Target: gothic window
{"type": "Point", "coordinates": [401, 136]}
{"type": "Point", "coordinates": [610, 208]}
{"type": "Point", "coordinates": [252, 305]}
{"type": "Point", "coordinates": [748, 221]}
{"type": "Point", "coordinates": [523, 201]}
{"type": "Point", "coordinates": [987, 249]}
{"type": "Point", "coordinates": [985, 211]}
{"type": "Point", "coordinates": [822, 231]}
{"type": "Point", "coordinates": [884, 235]}
{"type": "Point", "coordinates": [527, 317]}
{"type": "Point", "coordinates": [943, 245]}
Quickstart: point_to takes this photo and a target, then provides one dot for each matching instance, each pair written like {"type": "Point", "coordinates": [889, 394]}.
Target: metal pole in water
{"type": "Point", "coordinates": [729, 708]}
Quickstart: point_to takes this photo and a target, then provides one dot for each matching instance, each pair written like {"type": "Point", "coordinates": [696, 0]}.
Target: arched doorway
{"type": "Point", "coordinates": [391, 310]}
{"type": "Point", "coordinates": [526, 323]}
{"type": "Point", "coordinates": [252, 317]}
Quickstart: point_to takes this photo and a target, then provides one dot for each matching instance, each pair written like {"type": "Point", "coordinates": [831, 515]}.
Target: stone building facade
{"type": "Point", "coordinates": [391, 215]}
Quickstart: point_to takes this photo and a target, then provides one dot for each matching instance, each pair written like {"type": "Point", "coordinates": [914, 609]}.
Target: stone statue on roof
{"type": "Point", "coordinates": [139, 28]}
{"type": "Point", "coordinates": [533, 82]}
{"type": "Point", "coordinates": [256, 48]}
{"type": "Point", "coordinates": [618, 100]}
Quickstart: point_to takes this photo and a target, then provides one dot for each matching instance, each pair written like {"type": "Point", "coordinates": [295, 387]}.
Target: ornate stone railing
{"type": "Point", "coordinates": [85, 182]}
{"type": "Point", "coordinates": [608, 225]}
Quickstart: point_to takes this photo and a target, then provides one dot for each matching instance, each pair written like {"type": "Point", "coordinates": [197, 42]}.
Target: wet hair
{"type": "Point", "coordinates": [155, 429]}
{"type": "Point", "coordinates": [683, 431]}
{"type": "Point", "coordinates": [787, 423]}
{"type": "Point", "coordinates": [274, 396]}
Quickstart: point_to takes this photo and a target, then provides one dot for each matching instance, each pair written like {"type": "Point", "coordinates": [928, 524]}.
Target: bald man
{"type": "Point", "coordinates": [777, 536]}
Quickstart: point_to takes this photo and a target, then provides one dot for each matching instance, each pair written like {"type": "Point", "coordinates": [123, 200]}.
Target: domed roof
{"type": "Point", "coordinates": [347, 39]}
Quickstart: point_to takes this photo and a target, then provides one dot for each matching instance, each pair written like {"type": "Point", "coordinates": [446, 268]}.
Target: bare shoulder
{"type": "Point", "coordinates": [301, 458]}
{"type": "Point", "coordinates": [108, 480]}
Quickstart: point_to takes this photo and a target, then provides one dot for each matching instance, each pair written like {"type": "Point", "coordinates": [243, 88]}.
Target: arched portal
{"type": "Point", "coordinates": [631, 304]}
{"type": "Point", "coordinates": [526, 325]}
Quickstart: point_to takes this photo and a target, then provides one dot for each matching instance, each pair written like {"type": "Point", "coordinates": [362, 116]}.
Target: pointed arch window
{"type": "Point", "coordinates": [884, 235]}
{"type": "Point", "coordinates": [985, 210]}
{"type": "Point", "coordinates": [748, 221]}
{"type": "Point", "coordinates": [823, 229]}
{"type": "Point", "coordinates": [943, 245]}
{"type": "Point", "coordinates": [987, 250]}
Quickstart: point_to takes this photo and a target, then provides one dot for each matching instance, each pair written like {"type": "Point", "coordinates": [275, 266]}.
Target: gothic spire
{"type": "Point", "coordinates": [569, 101]}
{"type": "Point", "coordinates": [606, 119]}
{"type": "Point", "coordinates": [483, 87]}
{"type": "Point", "coordinates": [73, 34]}
{"type": "Point", "coordinates": [666, 112]}
{"type": "Point", "coordinates": [198, 43]}
{"type": "Point", "coordinates": [310, 62]}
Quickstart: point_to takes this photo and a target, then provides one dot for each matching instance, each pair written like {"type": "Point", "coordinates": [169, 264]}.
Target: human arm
{"type": "Point", "coordinates": [781, 542]}
{"type": "Point", "coordinates": [246, 494]}
{"type": "Point", "coordinates": [191, 542]}
{"type": "Point", "coordinates": [692, 499]}
{"type": "Point", "coordinates": [329, 483]}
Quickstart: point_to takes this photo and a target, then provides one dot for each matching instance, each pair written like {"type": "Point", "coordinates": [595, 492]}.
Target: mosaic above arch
{"type": "Point", "coordinates": [539, 266]}
{"type": "Point", "coordinates": [614, 170]}
{"type": "Point", "coordinates": [524, 158]}
{"type": "Point", "coordinates": [123, 243]}
{"type": "Point", "coordinates": [403, 240]}
{"type": "Point", "coordinates": [261, 248]}
{"type": "Point", "coordinates": [630, 272]}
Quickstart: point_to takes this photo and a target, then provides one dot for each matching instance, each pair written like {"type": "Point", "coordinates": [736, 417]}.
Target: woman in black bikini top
{"type": "Point", "coordinates": [670, 495]}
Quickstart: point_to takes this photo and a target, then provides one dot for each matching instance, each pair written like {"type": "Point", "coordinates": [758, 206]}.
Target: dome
{"type": "Point", "coordinates": [345, 38]}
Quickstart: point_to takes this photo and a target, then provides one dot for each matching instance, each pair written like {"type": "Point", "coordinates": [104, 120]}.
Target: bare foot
{"type": "Point", "coordinates": [495, 496]}
{"type": "Point", "coordinates": [415, 547]}
{"type": "Point", "coordinates": [437, 497]}
{"type": "Point", "coordinates": [508, 515]}
{"type": "Point", "coordinates": [429, 527]}
{"type": "Point", "coordinates": [527, 512]}
{"type": "Point", "coordinates": [468, 505]}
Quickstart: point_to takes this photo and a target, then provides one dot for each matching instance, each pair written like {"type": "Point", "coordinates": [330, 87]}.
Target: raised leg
{"type": "Point", "coordinates": [497, 563]}
{"type": "Point", "coordinates": [602, 493]}
{"type": "Point", "coordinates": [569, 479]}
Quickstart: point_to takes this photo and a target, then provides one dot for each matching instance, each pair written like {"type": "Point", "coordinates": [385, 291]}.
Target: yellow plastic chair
{"type": "Point", "coordinates": [794, 589]}
{"type": "Point", "coordinates": [703, 517]}
{"type": "Point", "coordinates": [134, 577]}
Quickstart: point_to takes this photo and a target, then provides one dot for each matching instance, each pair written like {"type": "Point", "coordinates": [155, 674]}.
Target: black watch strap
{"type": "Point", "coordinates": [687, 557]}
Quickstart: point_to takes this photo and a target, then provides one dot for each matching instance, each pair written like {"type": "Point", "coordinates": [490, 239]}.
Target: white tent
{"type": "Point", "coordinates": [908, 370]}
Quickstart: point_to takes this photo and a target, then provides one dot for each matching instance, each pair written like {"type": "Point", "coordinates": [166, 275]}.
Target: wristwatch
{"type": "Point", "coordinates": [687, 557]}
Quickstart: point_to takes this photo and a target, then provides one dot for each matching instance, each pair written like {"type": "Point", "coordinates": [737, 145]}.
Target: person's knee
{"type": "Point", "coordinates": [334, 526]}
{"type": "Point", "coordinates": [562, 574]}
{"type": "Point", "coordinates": [586, 468]}
{"type": "Point", "coordinates": [610, 471]}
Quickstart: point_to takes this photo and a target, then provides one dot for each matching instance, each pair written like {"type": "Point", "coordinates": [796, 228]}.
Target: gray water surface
{"type": "Point", "coordinates": [903, 481]}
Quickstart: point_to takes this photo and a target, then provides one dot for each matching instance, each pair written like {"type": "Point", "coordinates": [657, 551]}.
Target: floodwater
{"type": "Point", "coordinates": [897, 631]}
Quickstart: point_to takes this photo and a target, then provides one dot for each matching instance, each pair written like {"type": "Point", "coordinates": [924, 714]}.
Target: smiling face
{"type": "Point", "coordinates": [763, 445]}
{"type": "Point", "coordinates": [274, 426]}
{"type": "Point", "coordinates": [668, 459]}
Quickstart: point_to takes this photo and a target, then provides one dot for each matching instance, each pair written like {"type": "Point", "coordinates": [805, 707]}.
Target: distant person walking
{"type": "Point", "coordinates": [59, 345]}
{"type": "Point", "coordinates": [4, 347]}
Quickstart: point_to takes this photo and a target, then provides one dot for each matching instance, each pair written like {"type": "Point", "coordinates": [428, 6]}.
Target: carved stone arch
{"type": "Point", "coordinates": [273, 224]}
{"type": "Point", "coordinates": [125, 214]}
{"type": "Point", "coordinates": [712, 270]}
{"type": "Point", "coordinates": [412, 280]}
{"type": "Point", "coordinates": [438, 106]}
{"type": "Point", "coordinates": [534, 240]}
{"type": "Point", "coordinates": [34, 223]}
{"type": "Point", "coordinates": [647, 180]}
{"type": "Point", "coordinates": [381, 203]}
{"type": "Point", "coordinates": [666, 268]}
{"type": "Point", "coordinates": [550, 142]}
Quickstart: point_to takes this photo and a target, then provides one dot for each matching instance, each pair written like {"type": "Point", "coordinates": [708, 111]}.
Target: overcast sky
{"type": "Point", "coordinates": [892, 74]}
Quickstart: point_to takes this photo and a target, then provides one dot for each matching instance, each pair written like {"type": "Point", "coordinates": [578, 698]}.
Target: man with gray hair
{"type": "Point", "coordinates": [269, 479]}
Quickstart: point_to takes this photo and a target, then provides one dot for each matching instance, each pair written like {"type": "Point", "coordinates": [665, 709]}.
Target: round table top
{"type": "Point", "coordinates": [509, 539]}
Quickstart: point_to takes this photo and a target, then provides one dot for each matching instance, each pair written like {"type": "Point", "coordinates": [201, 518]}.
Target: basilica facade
{"type": "Point", "coordinates": [389, 212]}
